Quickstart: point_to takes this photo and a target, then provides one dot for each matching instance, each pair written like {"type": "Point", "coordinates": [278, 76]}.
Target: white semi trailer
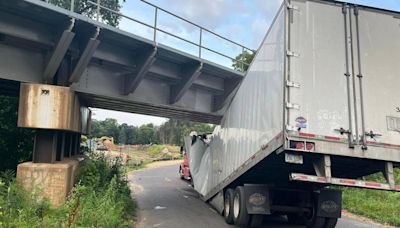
{"type": "Point", "coordinates": [319, 106]}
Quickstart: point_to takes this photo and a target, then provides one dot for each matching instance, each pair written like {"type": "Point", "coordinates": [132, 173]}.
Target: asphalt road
{"type": "Point", "coordinates": [166, 201]}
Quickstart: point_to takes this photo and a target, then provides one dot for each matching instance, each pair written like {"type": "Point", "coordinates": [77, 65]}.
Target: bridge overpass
{"type": "Point", "coordinates": [60, 62]}
{"type": "Point", "coordinates": [113, 69]}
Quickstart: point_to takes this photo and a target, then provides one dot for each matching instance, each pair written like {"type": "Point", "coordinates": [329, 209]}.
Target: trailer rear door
{"type": "Point", "coordinates": [317, 63]}
{"type": "Point", "coordinates": [379, 43]}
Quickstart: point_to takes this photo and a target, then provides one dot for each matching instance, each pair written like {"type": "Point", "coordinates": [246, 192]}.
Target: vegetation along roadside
{"type": "Point", "coordinates": [100, 199]}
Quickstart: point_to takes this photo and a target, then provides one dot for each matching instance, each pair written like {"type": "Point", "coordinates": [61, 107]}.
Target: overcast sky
{"type": "Point", "coordinates": [244, 21]}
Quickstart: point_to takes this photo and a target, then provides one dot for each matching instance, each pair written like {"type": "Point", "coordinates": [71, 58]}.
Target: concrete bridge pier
{"type": "Point", "coordinates": [59, 119]}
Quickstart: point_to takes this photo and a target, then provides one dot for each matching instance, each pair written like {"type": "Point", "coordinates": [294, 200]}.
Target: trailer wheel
{"type": "Point", "coordinates": [331, 222]}
{"type": "Point", "coordinates": [240, 215]}
{"type": "Point", "coordinates": [228, 205]}
{"type": "Point", "coordinates": [181, 173]}
{"type": "Point", "coordinates": [316, 222]}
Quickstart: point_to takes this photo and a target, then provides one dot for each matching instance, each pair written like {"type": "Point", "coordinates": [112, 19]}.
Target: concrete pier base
{"type": "Point", "coordinates": [53, 181]}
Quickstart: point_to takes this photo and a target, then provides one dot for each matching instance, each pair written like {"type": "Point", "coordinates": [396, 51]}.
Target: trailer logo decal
{"type": "Point", "coordinates": [329, 206]}
{"type": "Point", "coordinates": [257, 199]}
{"type": "Point", "coordinates": [301, 122]}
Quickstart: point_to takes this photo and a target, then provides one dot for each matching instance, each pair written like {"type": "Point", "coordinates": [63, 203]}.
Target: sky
{"type": "Point", "coordinates": [243, 21]}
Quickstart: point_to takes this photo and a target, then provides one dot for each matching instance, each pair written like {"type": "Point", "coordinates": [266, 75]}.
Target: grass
{"type": "Point", "coordinates": [140, 156]}
{"type": "Point", "coordinates": [381, 206]}
{"type": "Point", "coordinates": [155, 149]}
{"type": "Point", "coordinates": [137, 167]}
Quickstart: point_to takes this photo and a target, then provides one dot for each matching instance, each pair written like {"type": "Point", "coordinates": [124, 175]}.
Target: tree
{"type": "Point", "coordinates": [171, 132]}
{"type": "Point", "coordinates": [244, 57]}
{"type": "Point", "coordinates": [90, 10]}
{"type": "Point", "coordinates": [146, 134]}
{"type": "Point", "coordinates": [122, 133]}
{"type": "Point", "coordinates": [15, 143]}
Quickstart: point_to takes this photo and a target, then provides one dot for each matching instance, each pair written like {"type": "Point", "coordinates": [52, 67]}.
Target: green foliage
{"type": "Point", "coordinates": [90, 10]}
{"type": "Point", "coordinates": [101, 199]}
{"type": "Point", "coordinates": [244, 57]}
{"type": "Point", "coordinates": [20, 208]}
{"type": "Point", "coordinates": [146, 134]}
{"type": "Point", "coordinates": [104, 189]}
{"type": "Point", "coordinates": [137, 167]}
{"type": "Point", "coordinates": [379, 205]}
{"type": "Point", "coordinates": [171, 132]}
{"type": "Point", "coordinates": [155, 149]}
{"type": "Point", "coordinates": [15, 143]}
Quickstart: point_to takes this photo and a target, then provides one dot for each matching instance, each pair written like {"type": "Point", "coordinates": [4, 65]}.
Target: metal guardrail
{"type": "Point", "coordinates": [156, 29]}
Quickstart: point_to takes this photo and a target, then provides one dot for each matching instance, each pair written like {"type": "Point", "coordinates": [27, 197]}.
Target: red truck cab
{"type": "Point", "coordinates": [184, 170]}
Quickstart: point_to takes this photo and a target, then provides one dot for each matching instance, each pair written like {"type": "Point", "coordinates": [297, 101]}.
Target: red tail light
{"type": "Point", "coordinates": [309, 146]}
{"type": "Point", "coordinates": [299, 145]}
{"type": "Point", "coordinates": [302, 145]}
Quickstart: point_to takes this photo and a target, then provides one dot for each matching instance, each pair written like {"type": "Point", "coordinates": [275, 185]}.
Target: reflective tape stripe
{"type": "Point", "coordinates": [350, 182]}
{"type": "Point", "coordinates": [342, 181]}
{"type": "Point", "coordinates": [306, 134]}
{"type": "Point", "coordinates": [335, 138]}
{"type": "Point", "coordinates": [332, 138]}
{"type": "Point", "coordinates": [373, 184]}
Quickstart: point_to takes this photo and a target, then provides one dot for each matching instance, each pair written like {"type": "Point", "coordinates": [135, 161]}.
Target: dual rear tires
{"type": "Point", "coordinates": [235, 211]}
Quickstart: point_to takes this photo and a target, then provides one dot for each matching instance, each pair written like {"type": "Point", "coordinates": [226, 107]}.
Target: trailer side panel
{"type": "Point", "coordinates": [254, 116]}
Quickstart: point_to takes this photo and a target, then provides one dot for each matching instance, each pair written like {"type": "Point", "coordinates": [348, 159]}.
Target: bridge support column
{"type": "Point", "coordinates": [59, 119]}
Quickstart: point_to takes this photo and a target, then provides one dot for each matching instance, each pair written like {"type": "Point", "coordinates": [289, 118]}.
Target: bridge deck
{"type": "Point", "coordinates": [111, 69]}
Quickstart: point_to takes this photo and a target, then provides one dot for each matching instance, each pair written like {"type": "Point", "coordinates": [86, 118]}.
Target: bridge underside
{"type": "Point", "coordinates": [107, 67]}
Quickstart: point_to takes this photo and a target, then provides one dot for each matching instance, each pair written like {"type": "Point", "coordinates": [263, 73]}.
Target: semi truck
{"type": "Point", "coordinates": [318, 108]}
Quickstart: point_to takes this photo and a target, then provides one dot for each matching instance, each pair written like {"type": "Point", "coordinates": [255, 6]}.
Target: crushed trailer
{"type": "Point", "coordinates": [318, 107]}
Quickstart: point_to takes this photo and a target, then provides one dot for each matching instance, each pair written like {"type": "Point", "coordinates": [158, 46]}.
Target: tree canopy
{"type": "Point", "coordinates": [171, 132]}
{"type": "Point", "coordinates": [86, 8]}
{"type": "Point", "coordinates": [246, 57]}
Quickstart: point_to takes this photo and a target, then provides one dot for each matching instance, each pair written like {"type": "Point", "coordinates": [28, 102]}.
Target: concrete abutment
{"type": "Point", "coordinates": [59, 118]}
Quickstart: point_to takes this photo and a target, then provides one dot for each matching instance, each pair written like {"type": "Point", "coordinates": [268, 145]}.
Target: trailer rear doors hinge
{"type": "Point", "coordinates": [292, 7]}
{"type": "Point", "coordinates": [292, 106]}
{"type": "Point", "coordinates": [292, 84]}
{"type": "Point", "coordinates": [292, 54]}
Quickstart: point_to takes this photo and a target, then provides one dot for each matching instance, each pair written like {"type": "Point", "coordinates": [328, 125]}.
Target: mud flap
{"type": "Point", "coordinates": [329, 203]}
{"type": "Point", "coordinates": [257, 199]}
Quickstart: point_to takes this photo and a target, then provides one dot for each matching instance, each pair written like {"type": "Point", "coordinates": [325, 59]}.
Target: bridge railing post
{"type": "Point", "coordinates": [155, 24]}
{"type": "Point", "coordinates": [98, 10]}
{"type": "Point", "coordinates": [72, 5]}
{"type": "Point", "coordinates": [200, 41]}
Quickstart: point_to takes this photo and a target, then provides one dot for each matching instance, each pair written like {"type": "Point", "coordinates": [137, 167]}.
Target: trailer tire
{"type": "Point", "coordinates": [256, 220]}
{"type": "Point", "coordinates": [240, 216]}
{"type": "Point", "coordinates": [181, 173]}
{"type": "Point", "coordinates": [228, 205]}
{"type": "Point", "coordinates": [316, 222]}
{"type": "Point", "coordinates": [331, 222]}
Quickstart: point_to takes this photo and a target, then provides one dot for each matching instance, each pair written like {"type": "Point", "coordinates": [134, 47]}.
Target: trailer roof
{"type": "Point", "coordinates": [396, 13]}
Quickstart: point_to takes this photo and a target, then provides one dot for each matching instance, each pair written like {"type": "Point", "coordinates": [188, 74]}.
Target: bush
{"type": "Point", "coordinates": [100, 199]}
